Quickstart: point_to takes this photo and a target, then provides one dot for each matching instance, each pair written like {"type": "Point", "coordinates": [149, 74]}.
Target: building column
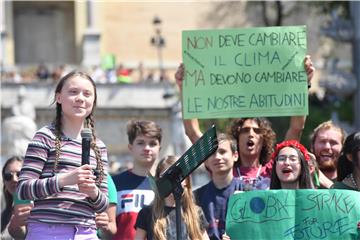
{"type": "Point", "coordinates": [90, 14]}
{"type": "Point", "coordinates": [91, 39]}
{"type": "Point", "coordinates": [355, 10]}
{"type": "Point", "coordinates": [2, 34]}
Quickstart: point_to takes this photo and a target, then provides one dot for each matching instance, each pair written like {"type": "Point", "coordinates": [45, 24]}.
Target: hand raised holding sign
{"type": "Point", "coordinates": [247, 72]}
{"type": "Point", "coordinates": [296, 123]}
{"type": "Point", "coordinates": [309, 68]}
{"type": "Point", "coordinates": [179, 76]}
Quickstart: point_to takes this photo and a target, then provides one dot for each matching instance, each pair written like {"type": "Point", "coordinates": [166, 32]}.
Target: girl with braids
{"type": "Point", "coordinates": [157, 221]}
{"type": "Point", "coordinates": [66, 195]}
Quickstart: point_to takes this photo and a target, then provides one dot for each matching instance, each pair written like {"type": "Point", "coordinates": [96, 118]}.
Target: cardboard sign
{"type": "Point", "coordinates": [254, 72]}
{"type": "Point", "coordinates": [294, 214]}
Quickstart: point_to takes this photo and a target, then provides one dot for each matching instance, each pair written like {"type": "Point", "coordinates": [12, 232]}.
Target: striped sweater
{"type": "Point", "coordinates": [36, 181]}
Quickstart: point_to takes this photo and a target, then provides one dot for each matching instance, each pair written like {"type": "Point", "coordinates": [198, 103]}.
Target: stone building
{"type": "Point", "coordinates": [82, 32]}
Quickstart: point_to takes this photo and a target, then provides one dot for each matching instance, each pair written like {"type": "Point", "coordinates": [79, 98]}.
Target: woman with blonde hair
{"type": "Point", "coordinates": [157, 221]}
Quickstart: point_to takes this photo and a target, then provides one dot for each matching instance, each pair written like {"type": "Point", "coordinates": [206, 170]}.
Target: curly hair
{"type": "Point", "coordinates": [268, 136]}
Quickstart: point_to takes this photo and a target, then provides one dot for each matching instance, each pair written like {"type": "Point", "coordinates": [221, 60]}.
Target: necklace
{"type": "Point", "coordinates": [250, 183]}
{"type": "Point", "coordinates": [354, 182]}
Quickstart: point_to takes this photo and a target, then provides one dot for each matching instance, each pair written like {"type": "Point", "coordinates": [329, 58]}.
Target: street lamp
{"type": "Point", "coordinates": [159, 42]}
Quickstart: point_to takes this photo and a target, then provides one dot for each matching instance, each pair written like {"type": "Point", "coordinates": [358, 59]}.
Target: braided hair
{"type": "Point", "coordinates": [89, 122]}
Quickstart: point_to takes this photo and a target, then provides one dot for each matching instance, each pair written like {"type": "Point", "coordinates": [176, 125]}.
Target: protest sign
{"type": "Point", "coordinates": [294, 214]}
{"type": "Point", "coordinates": [244, 72]}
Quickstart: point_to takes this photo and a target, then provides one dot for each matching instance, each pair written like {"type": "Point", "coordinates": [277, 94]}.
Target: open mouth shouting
{"type": "Point", "coordinates": [250, 144]}
{"type": "Point", "coordinates": [286, 171]}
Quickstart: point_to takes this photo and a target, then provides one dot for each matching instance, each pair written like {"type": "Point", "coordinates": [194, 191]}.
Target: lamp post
{"type": "Point", "coordinates": [159, 42]}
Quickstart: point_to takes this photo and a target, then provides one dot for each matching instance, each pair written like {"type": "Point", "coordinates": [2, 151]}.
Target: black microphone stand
{"type": "Point", "coordinates": [170, 181]}
{"type": "Point", "coordinates": [177, 192]}
{"type": "Point", "coordinates": [174, 174]}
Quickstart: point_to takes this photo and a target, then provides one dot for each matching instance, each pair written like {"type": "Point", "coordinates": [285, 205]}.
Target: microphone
{"type": "Point", "coordinates": [86, 136]}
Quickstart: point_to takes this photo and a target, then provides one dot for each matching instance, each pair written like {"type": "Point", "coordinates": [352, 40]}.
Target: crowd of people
{"type": "Point", "coordinates": [39, 73]}
{"type": "Point", "coordinates": [100, 74]}
{"type": "Point", "coordinates": [51, 195]}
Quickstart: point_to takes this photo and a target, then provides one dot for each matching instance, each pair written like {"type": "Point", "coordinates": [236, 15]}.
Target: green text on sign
{"type": "Point", "coordinates": [294, 214]}
{"type": "Point", "coordinates": [245, 72]}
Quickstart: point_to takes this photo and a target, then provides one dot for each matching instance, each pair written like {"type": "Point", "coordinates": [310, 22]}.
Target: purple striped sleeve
{"type": "Point", "coordinates": [30, 185]}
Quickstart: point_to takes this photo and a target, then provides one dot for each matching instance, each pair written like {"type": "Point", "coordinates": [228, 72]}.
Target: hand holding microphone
{"type": "Point", "coordinates": [80, 175]}
{"type": "Point", "coordinates": [86, 136]}
{"type": "Point", "coordinates": [86, 174]}
{"type": "Point", "coordinates": [88, 188]}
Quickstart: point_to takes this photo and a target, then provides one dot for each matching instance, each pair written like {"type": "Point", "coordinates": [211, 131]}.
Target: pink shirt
{"type": "Point", "coordinates": [254, 178]}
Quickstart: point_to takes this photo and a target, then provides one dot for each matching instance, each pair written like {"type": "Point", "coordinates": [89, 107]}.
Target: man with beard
{"type": "Point", "coordinates": [326, 143]}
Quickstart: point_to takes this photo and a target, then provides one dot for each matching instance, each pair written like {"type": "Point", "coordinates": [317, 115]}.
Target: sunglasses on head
{"type": "Point", "coordinates": [9, 175]}
{"type": "Point", "coordinates": [248, 129]}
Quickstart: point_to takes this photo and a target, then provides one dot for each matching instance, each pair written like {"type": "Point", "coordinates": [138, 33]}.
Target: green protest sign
{"type": "Point", "coordinates": [244, 72]}
{"type": "Point", "coordinates": [294, 214]}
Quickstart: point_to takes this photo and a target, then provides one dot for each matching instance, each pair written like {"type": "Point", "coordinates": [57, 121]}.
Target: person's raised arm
{"type": "Point", "coordinates": [297, 123]}
{"type": "Point", "coordinates": [192, 128]}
